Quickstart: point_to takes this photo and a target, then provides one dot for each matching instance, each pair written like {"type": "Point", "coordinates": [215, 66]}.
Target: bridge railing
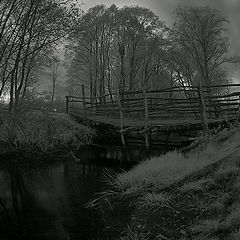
{"type": "Point", "coordinates": [182, 102]}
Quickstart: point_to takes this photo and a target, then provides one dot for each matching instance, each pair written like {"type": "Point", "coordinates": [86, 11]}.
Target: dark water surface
{"type": "Point", "coordinates": [40, 200]}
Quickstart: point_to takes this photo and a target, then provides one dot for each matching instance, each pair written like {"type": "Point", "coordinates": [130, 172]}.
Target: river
{"type": "Point", "coordinates": [42, 199]}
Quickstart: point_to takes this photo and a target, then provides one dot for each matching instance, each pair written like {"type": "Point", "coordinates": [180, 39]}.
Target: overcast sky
{"type": "Point", "coordinates": [164, 9]}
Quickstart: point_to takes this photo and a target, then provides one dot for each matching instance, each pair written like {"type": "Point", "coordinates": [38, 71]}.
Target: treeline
{"type": "Point", "coordinates": [130, 48]}
{"type": "Point", "coordinates": [30, 31]}
{"type": "Point", "coordinates": [108, 48]}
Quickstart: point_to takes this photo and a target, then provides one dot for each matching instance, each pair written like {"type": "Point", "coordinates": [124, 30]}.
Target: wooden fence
{"type": "Point", "coordinates": [153, 107]}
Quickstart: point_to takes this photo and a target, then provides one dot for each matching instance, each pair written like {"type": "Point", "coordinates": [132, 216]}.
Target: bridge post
{"type": "Point", "coordinates": [146, 119]}
{"type": "Point", "coordinates": [67, 103]}
{"type": "Point", "coordinates": [83, 99]}
{"type": "Point", "coordinates": [203, 109]}
{"type": "Point", "coordinates": [121, 118]}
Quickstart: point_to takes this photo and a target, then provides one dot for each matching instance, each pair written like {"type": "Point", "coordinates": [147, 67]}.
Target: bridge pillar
{"type": "Point", "coordinates": [203, 109]}
{"type": "Point", "coordinates": [146, 120]}
{"type": "Point", "coordinates": [121, 119]}
{"type": "Point", "coordinates": [67, 103]}
{"type": "Point", "coordinates": [83, 99]}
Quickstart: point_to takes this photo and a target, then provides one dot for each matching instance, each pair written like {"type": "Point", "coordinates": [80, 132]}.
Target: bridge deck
{"type": "Point", "coordinates": [140, 122]}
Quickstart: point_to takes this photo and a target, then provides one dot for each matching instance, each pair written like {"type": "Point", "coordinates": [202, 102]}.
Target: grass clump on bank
{"type": "Point", "coordinates": [155, 201]}
{"type": "Point", "coordinates": [44, 131]}
{"type": "Point", "coordinates": [184, 196]}
{"type": "Point", "coordinates": [160, 171]}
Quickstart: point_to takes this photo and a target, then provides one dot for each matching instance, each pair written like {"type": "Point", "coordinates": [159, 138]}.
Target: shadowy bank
{"type": "Point", "coordinates": [41, 131]}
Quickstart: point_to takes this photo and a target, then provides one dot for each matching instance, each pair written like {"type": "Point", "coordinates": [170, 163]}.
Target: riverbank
{"type": "Point", "coordinates": [41, 131]}
{"type": "Point", "coordinates": [182, 196]}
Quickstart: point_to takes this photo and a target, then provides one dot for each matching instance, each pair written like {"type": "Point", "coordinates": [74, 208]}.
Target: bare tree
{"type": "Point", "coordinates": [27, 30]}
{"type": "Point", "coordinates": [53, 72]}
{"type": "Point", "coordinates": [199, 31]}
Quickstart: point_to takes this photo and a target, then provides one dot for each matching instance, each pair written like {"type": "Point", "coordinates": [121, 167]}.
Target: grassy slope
{"type": "Point", "coordinates": [203, 207]}
{"type": "Point", "coordinates": [39, 130]}
{"type": "Point", "coordinates": [164, 170]}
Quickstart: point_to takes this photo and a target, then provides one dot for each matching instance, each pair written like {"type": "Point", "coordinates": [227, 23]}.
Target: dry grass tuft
{"type": "Point", "coordinates": [130, 234]}
{"type": "Point", "coordinates": [155, 201]}
{"type": "Point", "coordinates": [216, 206]}
{"type": "Point", "coordinates": [193, 186]}
{"type": "Point", "coordinates": [236, 185]}
{"type": "Point", "coordinates": [207, 227]}
{"type": "Point", "coordinates": [156, 172]}
{"type": "Point", "coordinates": [233, 219]}
{"type": "Point", "coordinates": [226, 171]}
{"type": "Point", "coordinates": [235, 235]}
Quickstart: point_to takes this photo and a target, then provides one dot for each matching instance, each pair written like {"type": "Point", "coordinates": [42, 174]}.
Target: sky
{"type": "Point", "coordinates": [165, 10]}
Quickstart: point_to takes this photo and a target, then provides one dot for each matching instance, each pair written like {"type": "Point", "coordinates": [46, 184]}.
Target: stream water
{"type": "Point", "coordinates": [44, 199]}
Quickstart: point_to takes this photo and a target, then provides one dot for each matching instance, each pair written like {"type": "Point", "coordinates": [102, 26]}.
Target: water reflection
{"type": "Point", "coordinates": [44, 201]}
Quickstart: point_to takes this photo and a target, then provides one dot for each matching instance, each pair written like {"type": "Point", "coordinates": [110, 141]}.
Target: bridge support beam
{"type": "Point", "coordinates": [67, 103]}
{"type": "Point", "coordinates": [121, 119]}
{"type": "Point", "coordinates": [203, 109]}
{"type": "Point", "coordinates": [146, 120]}
{"type": "Point", "coordinates": [83, 99]}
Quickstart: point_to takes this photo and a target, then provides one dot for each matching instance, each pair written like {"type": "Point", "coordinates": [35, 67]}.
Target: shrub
{"type": "Point", "coordinates": [43, 131]}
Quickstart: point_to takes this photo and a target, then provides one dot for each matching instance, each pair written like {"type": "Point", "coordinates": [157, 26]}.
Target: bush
{"type": "Point", "coordinates": [43, 131]}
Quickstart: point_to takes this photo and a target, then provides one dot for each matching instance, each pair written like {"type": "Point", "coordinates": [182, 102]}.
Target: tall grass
{"type": "Point", "coordinates": [207, 227]}
{"type": "Point", "coordinates": [162, 170]}
{"type": "Point", "coordinates": [155, 201]}
{"type": "Point", "coordinates": [166, 169]}
{"type": "Point", "coordinates": [43, 131]}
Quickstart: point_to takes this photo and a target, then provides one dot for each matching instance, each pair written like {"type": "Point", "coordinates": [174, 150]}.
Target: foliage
{"type": "Point", "coordinates": [44, 131]}
{"type": "Point", "coordinates": [198, 31]}
{"type": "Point", "coordinates": [29, 32]}
{"type": "Point", "coordinates": [115, 48]}
{"type": "Point", "coordinates": [130, 48]}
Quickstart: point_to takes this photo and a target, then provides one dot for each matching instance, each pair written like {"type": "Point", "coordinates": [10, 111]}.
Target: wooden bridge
{"type": "Point", "coordinates": [170, 109]}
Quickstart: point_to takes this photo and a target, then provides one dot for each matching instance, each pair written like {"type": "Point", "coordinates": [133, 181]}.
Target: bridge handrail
{"type": "Point", "coordinates": [158, 105]}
